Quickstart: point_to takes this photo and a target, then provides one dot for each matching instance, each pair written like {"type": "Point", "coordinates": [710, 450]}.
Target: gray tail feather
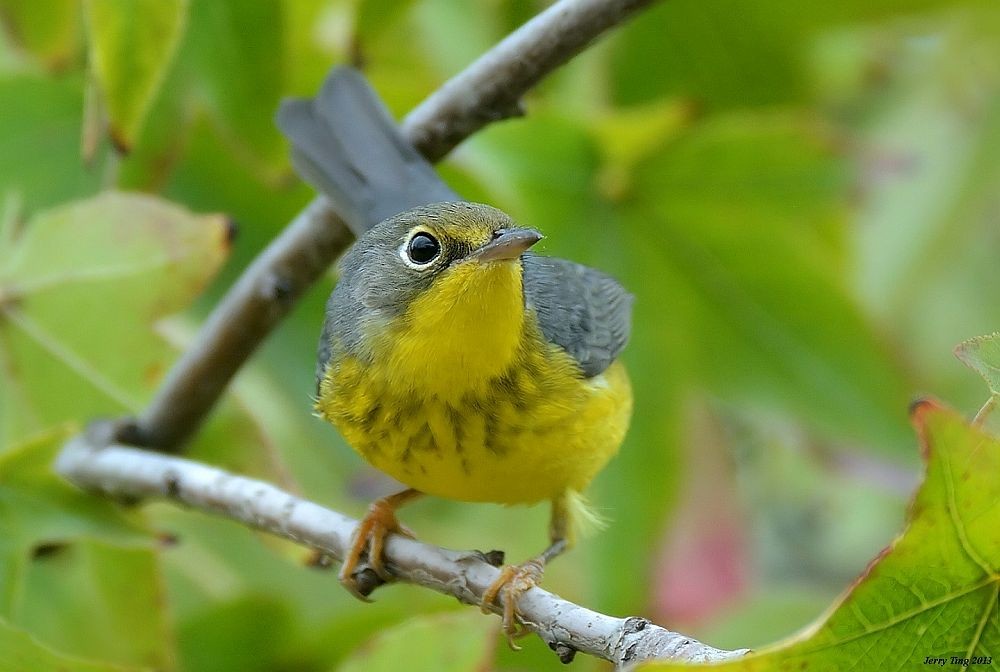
{"type": "Point", "coordinates": [346, 145]}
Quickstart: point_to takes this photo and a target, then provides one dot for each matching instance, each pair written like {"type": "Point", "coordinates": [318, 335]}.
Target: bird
{"type": "Point", "coordinates": [452, 357]}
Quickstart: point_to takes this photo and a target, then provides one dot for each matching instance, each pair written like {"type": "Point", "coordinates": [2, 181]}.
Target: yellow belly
{"type": "Point", "coordinates": [522, 437]}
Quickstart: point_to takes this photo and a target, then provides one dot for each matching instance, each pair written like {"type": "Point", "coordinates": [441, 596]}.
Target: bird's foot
{"type": "Point", "coordinates": [375, 527]}
{"type": "Point", "coordinates": [513, 582]}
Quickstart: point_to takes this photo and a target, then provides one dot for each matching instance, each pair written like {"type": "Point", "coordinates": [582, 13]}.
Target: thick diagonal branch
{"type": "Point", "coordinates": [488, 90]}
{"type": "Point", "coordinates": [132, 474]}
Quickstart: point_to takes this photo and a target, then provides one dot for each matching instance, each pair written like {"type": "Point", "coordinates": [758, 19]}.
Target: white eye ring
{"type": "Point", "coordinates": [428, 243]}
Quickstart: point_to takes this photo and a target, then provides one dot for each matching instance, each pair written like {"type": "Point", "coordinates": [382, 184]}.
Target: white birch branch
{"type": "Point", "coordinates": [135, 474]}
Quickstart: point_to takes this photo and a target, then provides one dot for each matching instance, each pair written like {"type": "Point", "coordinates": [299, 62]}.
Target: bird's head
{"type": "Point", "coordinates": [436, 293]}
{"type": "Point", "coordinates": [436, 254]}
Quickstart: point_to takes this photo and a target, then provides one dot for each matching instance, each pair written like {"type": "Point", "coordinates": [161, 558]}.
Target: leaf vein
{"type": "Point", "coordinates": [70, 358]}
{"type": "Point", "coordinates": [957, 520]}
{"type": "Point", "coordinates": [896, 620]}
{"type": "Point", "coordinates": [982, 622]}
{"type": "Point", "coordinates": [92, 275]}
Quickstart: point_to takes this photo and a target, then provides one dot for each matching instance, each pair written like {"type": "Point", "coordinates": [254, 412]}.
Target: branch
{"type": "Point", "coordinates": [93, 463]}
{"type": "Point", "coordinates": [488, 90]}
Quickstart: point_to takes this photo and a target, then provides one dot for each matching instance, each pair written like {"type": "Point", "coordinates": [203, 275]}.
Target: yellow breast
{"type": "Point", "coordinates": [465, 399]}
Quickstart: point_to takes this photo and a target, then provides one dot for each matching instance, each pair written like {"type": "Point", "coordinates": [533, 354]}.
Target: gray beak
{"type": "Point", "coordinates": [507, 244]}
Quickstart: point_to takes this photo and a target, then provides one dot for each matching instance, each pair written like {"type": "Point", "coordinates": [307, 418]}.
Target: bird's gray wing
{"type": "Point", "coordinates": [346, 145]}
{"type": "Point", "coordinates": [582, 310]}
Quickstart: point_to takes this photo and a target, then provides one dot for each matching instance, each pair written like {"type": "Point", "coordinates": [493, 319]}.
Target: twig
{"type": "Point", "coordinates": [488, 90]}
{"type": "Point", "coordinates": [93, 463]}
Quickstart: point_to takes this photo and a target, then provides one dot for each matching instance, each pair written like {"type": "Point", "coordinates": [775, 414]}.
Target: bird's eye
{"type": "Point", "coordinates": [423, 248]}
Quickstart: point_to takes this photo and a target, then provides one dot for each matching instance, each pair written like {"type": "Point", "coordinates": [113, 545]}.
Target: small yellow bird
{"type": "Point", "coordinates": [452, 358]}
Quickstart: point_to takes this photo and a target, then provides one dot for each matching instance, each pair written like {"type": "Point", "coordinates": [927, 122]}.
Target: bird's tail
{"type": "Point", "coordinates": [346, 145]}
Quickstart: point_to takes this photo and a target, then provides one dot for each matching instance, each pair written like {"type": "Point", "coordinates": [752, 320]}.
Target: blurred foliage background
{"type": "Point", "coordinates": [803, 198]}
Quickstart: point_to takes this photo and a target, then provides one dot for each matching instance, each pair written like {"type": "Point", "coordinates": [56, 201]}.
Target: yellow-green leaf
{"type": "Point", "coordinates": [49, 30]}
{"type": "Point", "coordinates": [80, 292]}
{"type": "Point", "coordinates": [132, 43]}
{"type": "Point", "coordinates": [373, 16]}
{"type": "Point", "coordinates": [933, 592]}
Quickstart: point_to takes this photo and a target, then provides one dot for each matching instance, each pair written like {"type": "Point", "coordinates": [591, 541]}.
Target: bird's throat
{"type": "Point", "coordinates": [462, 332]}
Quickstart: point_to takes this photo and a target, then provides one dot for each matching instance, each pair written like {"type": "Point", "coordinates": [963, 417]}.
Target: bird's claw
{"type": "Point", "coordinates": [513, 582]}
{"type": "Point", "coordinates": [370, 536]}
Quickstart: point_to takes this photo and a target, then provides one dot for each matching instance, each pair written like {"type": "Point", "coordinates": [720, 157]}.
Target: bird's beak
{"type": "Point", "coordinates": [507, 244]}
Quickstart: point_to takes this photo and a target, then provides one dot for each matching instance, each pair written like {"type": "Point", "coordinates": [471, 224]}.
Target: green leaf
{"type": "Point", "coordinates": [982, 355]}
{"type": "Point", "coordinates": [60, 356]}
{"type": "Point", "coordinates": [933, 592]}
{"type": "Point", "coordinates": [243, 635]}
{"type": "Point", "coordinates": [40, 511]}
{"type": "Point", "coordinates": [733, 53]}
{"type": "Point", "coordinates": [163, 140]}
{"type": "Point", "coordinates": [440, 643]}
{"type": "Point", "coordinates": [23, 652]}
{"type": "Point", "coordinates": [40, 141]}
{"type": "Point", "coordinates": [628, 136]}
{"type": "Point", "coordinates": [440, 21]}
{"type": "Point", "coordinates": [745, 218]}
{"type": "Point", "coordinates": [84, 597]}
{"type": "Point", "coordinates": [329, 29]}
{"type": "Point", "coordinates": [550, 189]}
{"type": "Point", "coordinates": [132, 43]}
{"type": "Point", "coordinates": [240, 71]}
{"type": "Point", "coordinates": [75, 570]}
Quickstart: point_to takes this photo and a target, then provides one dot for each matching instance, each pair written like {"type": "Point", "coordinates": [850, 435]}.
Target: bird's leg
{"type": "Point", "coordinates": [378, 523]}
{"type": "Point", "coordinates": [515, 580]}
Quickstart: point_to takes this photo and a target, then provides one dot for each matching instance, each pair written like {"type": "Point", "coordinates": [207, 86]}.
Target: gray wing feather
{"type": "Point", "coordinates": [346, 145]}
{"type": "Point", "coordinates": [582, 310]}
